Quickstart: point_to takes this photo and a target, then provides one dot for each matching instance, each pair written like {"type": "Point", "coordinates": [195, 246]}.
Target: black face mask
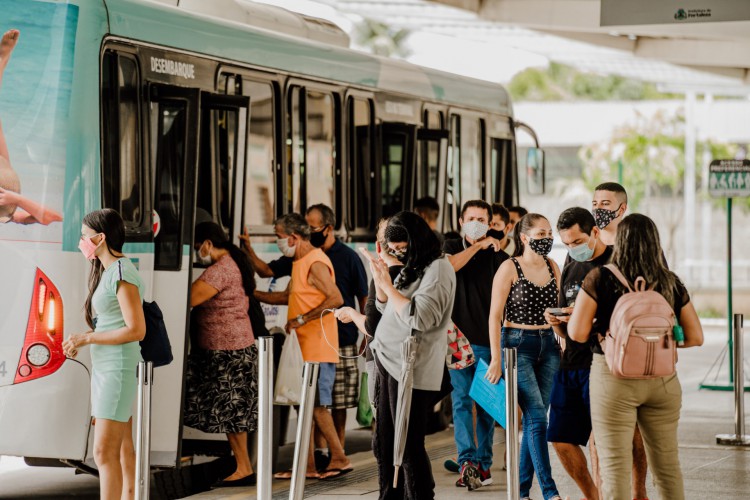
{"type": "Point", "coordinates": [494, 233]}
{"type": "Point", "coordinates": [318, 238]}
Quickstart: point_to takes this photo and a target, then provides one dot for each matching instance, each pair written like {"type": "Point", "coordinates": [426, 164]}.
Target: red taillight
{"type": "Point", "coordinates": [42, 348]}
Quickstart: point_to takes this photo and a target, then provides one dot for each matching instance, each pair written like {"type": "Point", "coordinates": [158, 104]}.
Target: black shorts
{"type": "Point", "coordinates": [570, 414]}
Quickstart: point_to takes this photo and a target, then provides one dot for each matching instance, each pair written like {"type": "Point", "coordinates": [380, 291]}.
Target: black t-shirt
{"type": "Point", "coordinates": [351, 280]}
{"type": "Point", "coordinates": [602, 286]}
{"type": "Point", "coordinates": [577, 356]}
{"type": "Point", "coordinates": [471, 307]}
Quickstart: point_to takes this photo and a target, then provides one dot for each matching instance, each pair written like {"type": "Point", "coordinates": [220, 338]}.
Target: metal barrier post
{"type": "Point", "coordinates": [304, 428]}
{"type": "Point", "coordinates": [738, 438]}
{"type": "Point", "coordinates": [511, 419]}
{"type": "Point", "coordinates": [265, 418]}
{"type": "Point", "coordinates": [143, 431]}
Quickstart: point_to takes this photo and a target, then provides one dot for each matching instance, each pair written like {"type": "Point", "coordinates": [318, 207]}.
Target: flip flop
{"type": "Point", "coordinates": [287, 475]}
{"type": "Point", "coordinates": [335, 473]}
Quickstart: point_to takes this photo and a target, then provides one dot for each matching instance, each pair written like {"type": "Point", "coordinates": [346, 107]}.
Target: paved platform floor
{"type": "Point", "coordinates": [711, 471]}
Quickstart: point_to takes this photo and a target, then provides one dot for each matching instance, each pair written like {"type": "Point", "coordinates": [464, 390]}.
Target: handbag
{"type": "Point", "coordinates": [257, 318]}
{"type": "Point", "coordinates": [155, 346]}
{"type": "Point", "coordinates": [460, 354]}
{"type": "Point", "coordinates": [364, 408]}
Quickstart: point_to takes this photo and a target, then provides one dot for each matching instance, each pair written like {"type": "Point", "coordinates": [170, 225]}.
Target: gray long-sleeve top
{"type": "Point", "coordinates": [428, 316]}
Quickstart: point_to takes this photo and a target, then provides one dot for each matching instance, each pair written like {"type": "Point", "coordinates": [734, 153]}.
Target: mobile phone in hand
{"type": "Point", "coordinates": [556, 311]}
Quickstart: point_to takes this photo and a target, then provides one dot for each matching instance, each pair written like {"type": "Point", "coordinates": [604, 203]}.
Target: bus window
{"type": "Point", "coordinates": [472, 139]}
{"type": "Point", "coordinates": [427, 183]}
{"type": "Point", "coordinates": [398, 157]}
{"type": "Point", "coordinates": [169, 165]}
{"type": "Point", "coordinates": [122, 181]}
{"type": "Point", "coordinates": [321, 149]}
{"type": "Point", "coordinates": [216, 170]}
{"type": "Point", "coordinates": [502, 173]}
{"type": "Point", "coordinates": [360, 164]}
{"type": "Point", "coordinates": [260, 195]}
{"type": "Point", "coordinates": [296, 151]}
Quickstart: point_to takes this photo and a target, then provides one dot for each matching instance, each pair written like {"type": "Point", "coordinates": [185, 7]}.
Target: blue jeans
{"type": "Point", "coordinates": [479, 453]}
{"type": "Point", "coordinates": [538, 361]}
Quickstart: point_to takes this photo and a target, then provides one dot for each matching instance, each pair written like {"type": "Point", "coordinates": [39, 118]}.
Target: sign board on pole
{"type": "Point", "coordinates": [729, 178]}
{"type": "Point", "coordinates": [633, 12]}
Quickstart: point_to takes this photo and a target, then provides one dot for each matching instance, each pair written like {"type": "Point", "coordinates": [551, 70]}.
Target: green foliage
{"type": "Point", "coordinates": [559, 82]}
{"type": "Point", "coordinates": [381, 39]}
{"type": "Point", "coordinates": [652, 155]}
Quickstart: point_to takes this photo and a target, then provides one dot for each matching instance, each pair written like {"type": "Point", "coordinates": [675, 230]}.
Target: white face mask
{"type": "Point", "coordinates": [475, 230]}
{"type": "Point", "coordinates": [286, 250]}
{"type": "Point", "coordinates": [206, 261]}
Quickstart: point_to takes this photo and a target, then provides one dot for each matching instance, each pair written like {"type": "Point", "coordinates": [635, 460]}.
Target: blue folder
{"type": "Point", "coordinates": [491, 397]}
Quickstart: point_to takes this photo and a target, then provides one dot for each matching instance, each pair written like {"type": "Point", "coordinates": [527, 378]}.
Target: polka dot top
{"type": "Point", "coordinates": [527, 301]}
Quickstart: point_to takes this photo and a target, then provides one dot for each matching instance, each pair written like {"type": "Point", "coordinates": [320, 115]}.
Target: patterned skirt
{"type": "Point", "coordinates": [222, 390]}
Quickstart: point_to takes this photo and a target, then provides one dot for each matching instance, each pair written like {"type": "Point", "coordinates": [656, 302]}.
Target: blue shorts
{"type": "Point", "coordinates": [569, 413]}
{"type": "Point", "coordinates": [326, 379]}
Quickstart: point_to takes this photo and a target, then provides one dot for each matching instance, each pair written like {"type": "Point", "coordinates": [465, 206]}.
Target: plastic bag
{"type": "Point", "coordinates": [288, 389]}
{"type": "Point", "coordinates": [364, 409]}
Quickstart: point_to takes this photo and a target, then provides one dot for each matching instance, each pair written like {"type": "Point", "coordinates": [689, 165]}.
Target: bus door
{"type": "Point", "coordinates": [397, 167]}
{"type": "Point", "coordinates": [173, 130]}
{"type": "Point", "coordinates": [432, 168]}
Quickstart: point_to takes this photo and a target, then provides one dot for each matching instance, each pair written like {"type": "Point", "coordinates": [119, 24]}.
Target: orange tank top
{"type": "Point", "coordinates": [303, 298]}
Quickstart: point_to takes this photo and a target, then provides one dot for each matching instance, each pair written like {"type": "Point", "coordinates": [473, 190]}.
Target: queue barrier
{"type": "Point", "coordinates": [143, 431]}
{"type": "Point", "coordinates": [265, 419]}
{"type": "Point", "coordinates": [511, 419]}
{"type": "Point", "coordinates": [304, 429]}
{"type": "Point", "coordinates": [739, 438]}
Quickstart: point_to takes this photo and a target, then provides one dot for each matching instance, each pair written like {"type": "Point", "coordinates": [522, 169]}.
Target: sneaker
{"type": "Point", "coordinates": [470, 476]}
{"type": "Point", "coordinates": [485, 476]}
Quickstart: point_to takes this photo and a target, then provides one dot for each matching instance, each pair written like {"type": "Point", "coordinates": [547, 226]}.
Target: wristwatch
{"type": "Point", "coordinates": [300, 319]}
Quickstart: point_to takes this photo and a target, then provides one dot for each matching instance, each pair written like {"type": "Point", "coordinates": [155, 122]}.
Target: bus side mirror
{"type": "Point", "coordinates": [535, 171]}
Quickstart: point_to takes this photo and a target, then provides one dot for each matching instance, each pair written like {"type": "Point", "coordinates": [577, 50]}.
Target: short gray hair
{"type": "Point", "coordinates": [293, 224]}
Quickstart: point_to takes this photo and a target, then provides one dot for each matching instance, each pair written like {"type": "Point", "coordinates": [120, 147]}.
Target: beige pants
{"type": "Point", "coordinates": [616, 405]}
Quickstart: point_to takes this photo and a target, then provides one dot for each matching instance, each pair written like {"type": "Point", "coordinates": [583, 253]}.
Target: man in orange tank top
{"type": "Point", "coordinates": [311, 291]}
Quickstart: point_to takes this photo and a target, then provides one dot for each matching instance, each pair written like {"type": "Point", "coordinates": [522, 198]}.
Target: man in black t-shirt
{"type": "Point", "coordinates": [475, 258]}
{"type": "Point", "coordinates": [570, 418]}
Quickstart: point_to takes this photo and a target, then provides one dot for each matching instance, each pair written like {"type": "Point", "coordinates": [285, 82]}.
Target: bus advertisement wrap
{"type": "Point", "coordinates": [36, 73]}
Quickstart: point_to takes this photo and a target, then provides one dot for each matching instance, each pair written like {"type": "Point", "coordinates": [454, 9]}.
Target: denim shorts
{"type": "Point", "coordinates": [326, 379]}
{"type": "Point", "coordinates": [569, 413]}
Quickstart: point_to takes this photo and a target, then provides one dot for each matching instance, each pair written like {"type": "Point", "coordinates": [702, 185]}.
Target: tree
{"type": "Point", "coordinates": [381, 39]}
{"type": "Point", "coordinates": [652, 154]}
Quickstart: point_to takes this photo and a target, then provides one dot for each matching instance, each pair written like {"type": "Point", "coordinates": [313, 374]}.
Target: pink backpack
{"type": "Point", "coordinates": [639, 343]}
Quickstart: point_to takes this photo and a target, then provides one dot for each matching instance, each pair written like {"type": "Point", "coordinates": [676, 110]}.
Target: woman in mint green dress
{"type": "Point", "coordinates": [116, 295]}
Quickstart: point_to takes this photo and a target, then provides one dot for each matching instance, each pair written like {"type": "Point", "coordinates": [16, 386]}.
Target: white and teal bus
{"type": "Point", "coordinates": [225, 109]}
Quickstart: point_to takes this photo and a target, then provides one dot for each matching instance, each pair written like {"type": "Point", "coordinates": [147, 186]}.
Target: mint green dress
{"type": "Point", "coordinates": [113, 374]}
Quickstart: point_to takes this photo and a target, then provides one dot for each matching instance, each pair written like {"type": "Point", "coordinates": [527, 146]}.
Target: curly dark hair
{"type": "Point", "coordinates": [423, 245]}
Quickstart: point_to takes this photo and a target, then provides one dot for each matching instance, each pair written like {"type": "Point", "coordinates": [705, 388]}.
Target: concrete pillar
{"type": "Point", "coordinates": [705, 257]}
{"type": "Point", "coordinates": [690, 136]}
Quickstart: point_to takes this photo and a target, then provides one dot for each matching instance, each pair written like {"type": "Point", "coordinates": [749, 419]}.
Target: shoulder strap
{"type": "Point", "coordinates": [620, 277]}
{"type": "Point", "coordinates": [549, 267]}
{"type": "Point", "coordinates": [119, 268]}
{"type": "Point", "coordinates": [518, 267]}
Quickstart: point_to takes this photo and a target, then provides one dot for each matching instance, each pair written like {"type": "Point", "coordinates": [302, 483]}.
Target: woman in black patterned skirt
{"type": "Point", "coordinates": [222, 384]}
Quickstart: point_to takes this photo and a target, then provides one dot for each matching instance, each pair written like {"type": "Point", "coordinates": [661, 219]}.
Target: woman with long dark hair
{"type": "Point", "coordinates": [524, 287]}
{"type": "Point", "coordinates": [222, 383]}
{"type": "Point", "coordinates": [116, 296]}
{"type": "Point", "coordinates": [617, 404]}
{"type": "Point", "coordinates": [419, 302]}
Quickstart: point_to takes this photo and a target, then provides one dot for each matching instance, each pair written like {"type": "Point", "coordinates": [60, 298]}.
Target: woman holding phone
{"type": "Point", "coordinates": [116, 295]}
{"type": "Point", "coordinates": [419, 302]}
{"type": "Point", "coordinates": [524, 287]}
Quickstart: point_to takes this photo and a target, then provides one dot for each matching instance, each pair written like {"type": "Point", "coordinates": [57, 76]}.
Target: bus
{"type": "Point", "coordinates": [176, 112]}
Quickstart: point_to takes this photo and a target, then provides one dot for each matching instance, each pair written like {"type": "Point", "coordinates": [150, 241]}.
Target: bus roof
{"type": "Point", "coordinates": [178, 28]}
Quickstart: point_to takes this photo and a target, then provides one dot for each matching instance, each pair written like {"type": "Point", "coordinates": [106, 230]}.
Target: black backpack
{"type": "Point", "coordinates": [155, 346]}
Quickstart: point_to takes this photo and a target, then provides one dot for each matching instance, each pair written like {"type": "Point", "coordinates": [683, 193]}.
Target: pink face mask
{"type": "Point", "coordinates": [88, 247]}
